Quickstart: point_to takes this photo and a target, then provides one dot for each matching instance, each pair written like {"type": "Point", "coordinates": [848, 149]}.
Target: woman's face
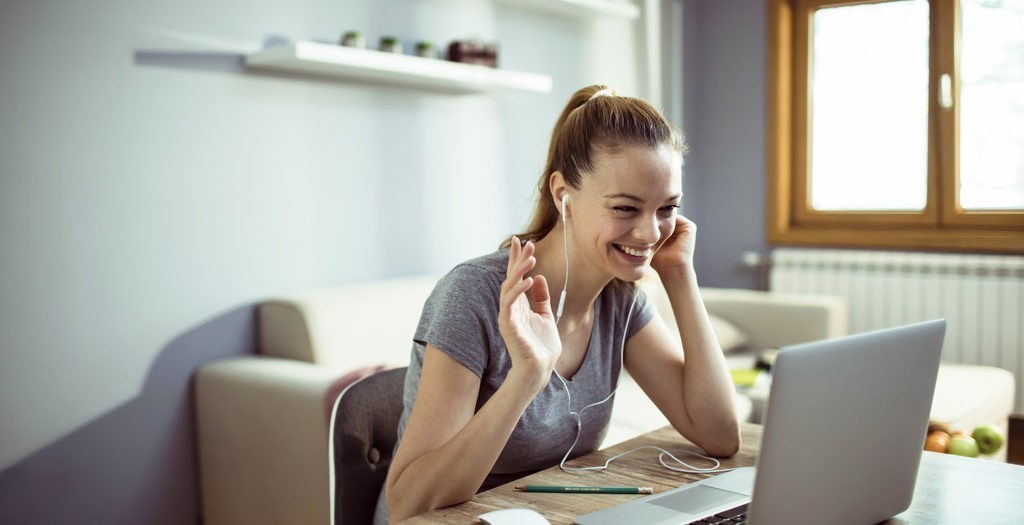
{"type": "Point", "coordinates": [625, 209]}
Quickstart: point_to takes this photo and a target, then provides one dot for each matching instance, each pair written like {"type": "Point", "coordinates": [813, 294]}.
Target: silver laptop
{"type": "Point", "coordinates": [843, 436]}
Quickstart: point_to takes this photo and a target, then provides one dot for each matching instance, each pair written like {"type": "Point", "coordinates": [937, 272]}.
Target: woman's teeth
{"type": "Point", "coordinates": [632, 251]}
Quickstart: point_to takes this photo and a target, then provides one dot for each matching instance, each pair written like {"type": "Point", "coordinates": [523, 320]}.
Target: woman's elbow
{"type": "Point", "coordinates": [402, 508]}
{"type": "Point", "coordinates": [725, 444]}
{"type": "Point", "coordinates": [404, 505]}
{"type": "Point", "coordinates": [726, 448]}
{"type": "Point", "coordinates": [399, 509]}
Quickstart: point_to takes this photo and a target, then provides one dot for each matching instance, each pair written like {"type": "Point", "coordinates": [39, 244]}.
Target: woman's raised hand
{"type": "Point", "coordinates": [677, 251]}
{"type": "Point", "coordinates": [530, 335]}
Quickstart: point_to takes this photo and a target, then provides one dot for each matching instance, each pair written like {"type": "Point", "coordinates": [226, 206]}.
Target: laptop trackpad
{"type": "Point", "coordinates": [697, 499]}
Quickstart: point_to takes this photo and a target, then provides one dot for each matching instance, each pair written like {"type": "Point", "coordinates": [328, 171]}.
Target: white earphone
{"type": "Point", "coordinates": [565, 247]}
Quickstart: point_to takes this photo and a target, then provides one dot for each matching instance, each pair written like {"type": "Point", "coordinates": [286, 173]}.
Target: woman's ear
{"type": "Point", "coordinates": [559, 190]}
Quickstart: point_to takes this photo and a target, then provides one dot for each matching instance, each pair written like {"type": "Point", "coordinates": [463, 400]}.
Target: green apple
{"type": "Point", "coordinates": [989, 438]}
{"type": "Point", "coordinates": [963, 446]}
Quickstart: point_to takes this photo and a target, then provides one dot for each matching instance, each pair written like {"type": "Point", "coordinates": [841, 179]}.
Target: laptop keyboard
{"type": "Point", "coordinates": [731, 516]}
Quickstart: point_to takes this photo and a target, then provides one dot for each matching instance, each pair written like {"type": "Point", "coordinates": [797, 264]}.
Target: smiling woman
{"type": "Point", "coordinates": [501, 382]}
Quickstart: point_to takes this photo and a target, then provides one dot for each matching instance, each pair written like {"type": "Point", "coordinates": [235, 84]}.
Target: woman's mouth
{"type": "Point", "coordinates": [633, 252]}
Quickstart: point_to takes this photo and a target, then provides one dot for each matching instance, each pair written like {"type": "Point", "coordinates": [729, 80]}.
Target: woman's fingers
{"type": "Point", "coordinates": [520, 262]}
{"type": "Point", "coordinates": [513, 259]}
{"type": "Point", "coordinates": [541, 296]}
{"type": "Point", "coordinates": [519, 288]}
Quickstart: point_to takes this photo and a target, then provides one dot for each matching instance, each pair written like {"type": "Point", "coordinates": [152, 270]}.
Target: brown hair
{"type": "Point", "coordinates": [595, 118]}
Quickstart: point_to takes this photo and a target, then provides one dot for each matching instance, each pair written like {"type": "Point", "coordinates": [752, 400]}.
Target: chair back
{"type": "Point", "coordinates": [364, 429]}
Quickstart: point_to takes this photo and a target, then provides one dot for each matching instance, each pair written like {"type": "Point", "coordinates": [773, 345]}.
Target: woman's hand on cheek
{"type": "Point", "coordinates": [677, 250]}
{"type": "Point", "coordinates": [531, 336]}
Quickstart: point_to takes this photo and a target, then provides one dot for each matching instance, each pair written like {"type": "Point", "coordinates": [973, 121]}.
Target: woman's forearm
{"type": "Point", "coordinates": [453, 472]}
{"type": "Point", "coordinates": [707, 386]}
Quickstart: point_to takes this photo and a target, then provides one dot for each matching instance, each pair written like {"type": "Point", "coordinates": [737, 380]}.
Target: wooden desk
{"type": "Point", "coordinates": [949, 489]}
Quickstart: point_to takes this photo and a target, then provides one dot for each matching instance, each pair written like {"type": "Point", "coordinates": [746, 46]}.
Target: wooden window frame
{"type": "Point", "coordinates": [942, 225]}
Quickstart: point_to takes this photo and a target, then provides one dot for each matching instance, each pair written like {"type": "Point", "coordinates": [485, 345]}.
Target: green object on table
{"type": "Point", "coordinates": [558, 489]}
{"type": "Point", "coordinates": [744, 378]}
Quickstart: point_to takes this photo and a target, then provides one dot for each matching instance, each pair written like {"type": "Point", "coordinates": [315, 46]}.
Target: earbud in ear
{"type": "Point", "coordinates": [565, 246]}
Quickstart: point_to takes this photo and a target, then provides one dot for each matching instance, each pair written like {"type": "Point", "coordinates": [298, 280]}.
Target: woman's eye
{"type": "Point", "coordinates": [664, 211]}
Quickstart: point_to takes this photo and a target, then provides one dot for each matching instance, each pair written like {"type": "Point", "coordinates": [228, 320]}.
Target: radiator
{"type": "Point", "coordinates": [980, 296]}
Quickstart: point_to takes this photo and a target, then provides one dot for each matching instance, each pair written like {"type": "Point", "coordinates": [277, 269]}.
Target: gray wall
{"type": "Point", "coordinates": [152, 191]}
{"type": "Point", "coordinates": [724, 118]}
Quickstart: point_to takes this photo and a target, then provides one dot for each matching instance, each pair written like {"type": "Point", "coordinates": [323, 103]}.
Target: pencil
{"type": "Point", "coordinates": [584, 490]}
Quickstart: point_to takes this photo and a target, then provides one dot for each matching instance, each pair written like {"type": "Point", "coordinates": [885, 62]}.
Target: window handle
{"type": "Point", "coordinates": [946, 91]}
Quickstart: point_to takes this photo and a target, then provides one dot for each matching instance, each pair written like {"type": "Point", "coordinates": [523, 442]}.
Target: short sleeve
{"type": "Point", "coordinates": [642, 313]}
{"type": "Point", "coordinates": [460, 316]}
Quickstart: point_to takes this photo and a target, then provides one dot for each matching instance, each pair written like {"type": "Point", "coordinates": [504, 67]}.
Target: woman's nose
{"type": "Point", "coordinates": [647, 229]}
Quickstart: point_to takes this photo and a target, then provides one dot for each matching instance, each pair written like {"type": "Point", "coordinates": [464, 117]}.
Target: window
{"type": "Point", "coordinates": [897, 124]}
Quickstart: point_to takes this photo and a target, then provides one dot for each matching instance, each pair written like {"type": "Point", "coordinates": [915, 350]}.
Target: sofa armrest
{"type": "Point", "coordinates": [263, 437]}
{"type": "Point", "coordinates": [772, 320]}
{"type": "Point", "coordinates": [766, 319]}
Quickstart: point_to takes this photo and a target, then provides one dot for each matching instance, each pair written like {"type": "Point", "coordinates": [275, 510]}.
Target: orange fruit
{"type": "Point", "coordinates": [937, 441]}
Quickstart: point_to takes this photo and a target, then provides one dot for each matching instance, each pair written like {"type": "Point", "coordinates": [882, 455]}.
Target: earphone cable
{"type": "Point", "coordinates": [568, 394]}
{"type": "Point", "coordinates": [686, 467]}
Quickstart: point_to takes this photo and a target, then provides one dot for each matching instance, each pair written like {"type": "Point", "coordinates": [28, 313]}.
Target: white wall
{"type": "Point", "coordinates": [148, 184]}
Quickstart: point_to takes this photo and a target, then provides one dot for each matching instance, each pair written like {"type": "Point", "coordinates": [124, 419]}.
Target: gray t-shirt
{"type": "Point", "coordinates": [460, 318]}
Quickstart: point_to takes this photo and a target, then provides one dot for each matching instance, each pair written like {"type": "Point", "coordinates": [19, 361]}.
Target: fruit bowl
{"type": "Point", "coordinates": [983, 440]}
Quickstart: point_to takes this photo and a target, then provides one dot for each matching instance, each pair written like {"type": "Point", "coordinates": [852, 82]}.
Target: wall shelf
{"type": "Point", "coordinates": [579, 8]}
{"type": "Point", "coordinates": [404, 70]}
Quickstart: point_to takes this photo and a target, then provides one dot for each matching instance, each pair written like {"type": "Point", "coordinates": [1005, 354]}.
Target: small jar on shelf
{"type": "Point", "coordinates": [426, 49]}
{"type": "Point", "coordinates": [473, 52]}
{"type": "Point", "coordinates": [353, 39]}
{"type": "Point", "coordinates": [390, 44]}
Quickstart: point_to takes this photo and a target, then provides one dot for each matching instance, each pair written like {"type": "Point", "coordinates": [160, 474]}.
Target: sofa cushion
{"type": "Point", "coordinates": [346, 327]}
{"type": "Point", "coordinates": [729, 335]}
{"type": "Point", "coordinates": [970, 395]}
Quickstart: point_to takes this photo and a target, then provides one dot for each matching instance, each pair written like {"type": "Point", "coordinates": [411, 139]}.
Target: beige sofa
{"type": "Point", "coordinates": [262, 421]}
